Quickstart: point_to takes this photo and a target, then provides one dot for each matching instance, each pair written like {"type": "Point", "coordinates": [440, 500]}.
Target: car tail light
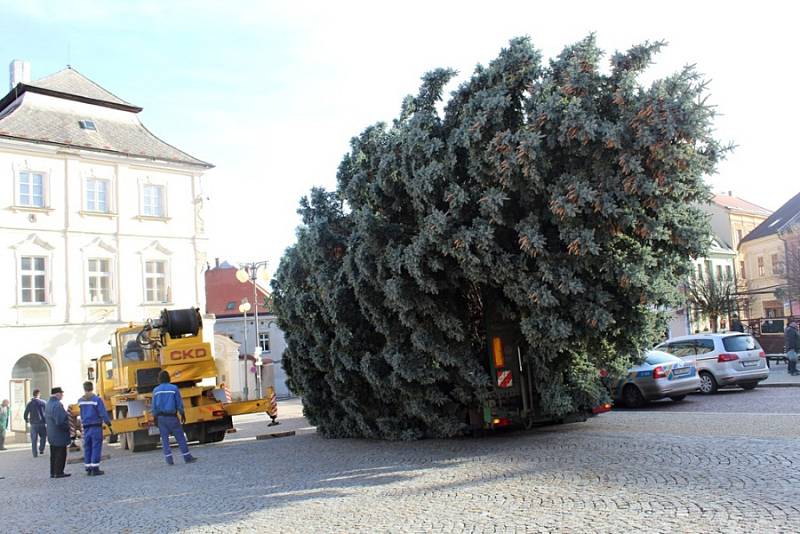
{"type": "Point", "coordinates": [659, 372]}
{"type": "Point", "coordinates": [727, 357]}
{"type": "Point", "coordinates": [218, 413]}
{"type": "Point", "coordinates": [762, 354]}
{"type": "Point", "coordinates": [500, 421]}
{"type": "Point", "coordinates": [602, 408]}
{"type": "Point", "coordinates": [497, 353]}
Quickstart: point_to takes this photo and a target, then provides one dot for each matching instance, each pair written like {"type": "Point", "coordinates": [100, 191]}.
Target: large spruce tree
{"type": "Point", "coordinates": [564, 191]}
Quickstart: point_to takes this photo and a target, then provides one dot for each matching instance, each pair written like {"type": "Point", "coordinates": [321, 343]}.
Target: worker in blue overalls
{"type": "Point", "coordinates": [167, 406]}
{"type": "Point", "coordinates": [93, 415]}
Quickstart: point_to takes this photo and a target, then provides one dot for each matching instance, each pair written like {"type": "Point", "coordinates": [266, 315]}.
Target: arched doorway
{"type": "Point", "coordinates": [37, 370]}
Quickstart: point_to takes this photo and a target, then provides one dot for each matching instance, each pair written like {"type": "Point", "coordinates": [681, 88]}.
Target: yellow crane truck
{"type": "Point", "coordinates": [139, 352]}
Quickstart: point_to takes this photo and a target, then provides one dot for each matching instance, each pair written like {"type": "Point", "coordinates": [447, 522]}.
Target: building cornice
{"type": "Point", "coordinates": [99, 155]}
{"type": "Point", "coordinates": [109, 234]}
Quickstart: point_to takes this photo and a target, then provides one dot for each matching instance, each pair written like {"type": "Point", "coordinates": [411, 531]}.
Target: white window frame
{"type": "Point", "coordinates": [91, 195]}
{"type": "Point", "coordinates": [98, 276]}
{"type": "Point", "coordinates": [147, 208]}
{"type": "Point", "coordinates": [264, 336]}
{"type": "Point", "coordinates": [33, 272]}
{"type": "Point", "coordinates": [165, 276]}
{"type": "Point", "coordinates": [18, 201]}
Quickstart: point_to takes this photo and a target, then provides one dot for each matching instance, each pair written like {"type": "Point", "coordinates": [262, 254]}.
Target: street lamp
{"type": "Point", "coordinates": [249, 271]}
{"type": "Point", "coordinates": [244, 307]}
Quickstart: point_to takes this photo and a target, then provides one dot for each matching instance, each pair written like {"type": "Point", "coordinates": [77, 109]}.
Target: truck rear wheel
{"type": "Point", "coordinates": [140, 441]}
{"type": "Point", "coordinates": [213, 432]}
{"type": "Point", "coordinates": [213, 437]}
{"type": "Point", "coordinates": [121, 413]}
{"type": "Point", "coordinates": [112, 438]}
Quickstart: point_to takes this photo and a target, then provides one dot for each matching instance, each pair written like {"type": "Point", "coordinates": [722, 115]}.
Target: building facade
{"type": "Point", "coordinates": [224, 294]}
{"type": "Point", "coordinates": [770, 260]}
{"type": "Point", "coordinates": [102, 224]}
{"type": "Point", "coordinates": [732, 218]}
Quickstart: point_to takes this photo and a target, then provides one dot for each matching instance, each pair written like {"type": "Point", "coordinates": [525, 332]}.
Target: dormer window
{"type": "Point", "coordinates": [87, 125]}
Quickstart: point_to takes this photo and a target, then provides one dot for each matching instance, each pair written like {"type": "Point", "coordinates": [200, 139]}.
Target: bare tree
{"type": "Point", "coordinates": [713, 297]}
{"type": "Point", "coordinates": [791, 269]}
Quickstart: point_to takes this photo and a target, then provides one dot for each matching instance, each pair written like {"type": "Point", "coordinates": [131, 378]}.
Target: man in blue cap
{"type": "Point", "coordinates": [167, 406]}
{"type": "Point", "coordinates": [93, 415]}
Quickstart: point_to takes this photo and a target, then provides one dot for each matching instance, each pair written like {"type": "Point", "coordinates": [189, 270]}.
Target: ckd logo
{"type": "Point", "coordinates": [187, 354]}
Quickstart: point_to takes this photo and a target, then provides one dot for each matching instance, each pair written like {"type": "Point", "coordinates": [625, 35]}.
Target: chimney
{"type": "Point", "coordinates": [216, 261]}
{"type": "Point", "coordinates": [19, 72]}
{"type": "Point", "coordinates": [730, 193]}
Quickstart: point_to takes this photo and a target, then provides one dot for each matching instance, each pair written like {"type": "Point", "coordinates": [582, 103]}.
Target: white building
{"type": "Point", "coordinates": [101, 224]}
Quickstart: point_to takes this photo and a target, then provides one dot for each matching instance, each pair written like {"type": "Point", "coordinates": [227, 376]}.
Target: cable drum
{"type": "Point", "coordinates": [178, 323]}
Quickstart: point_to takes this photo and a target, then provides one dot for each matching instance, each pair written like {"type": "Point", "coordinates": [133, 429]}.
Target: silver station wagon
{"type": "Point", "coordinates": [659, 376]}
{"type": "Point", "coordinates": [722, 360]}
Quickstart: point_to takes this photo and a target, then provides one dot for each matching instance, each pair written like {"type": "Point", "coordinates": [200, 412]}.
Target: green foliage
{"type": "Point", "coordinates": [566, 192]}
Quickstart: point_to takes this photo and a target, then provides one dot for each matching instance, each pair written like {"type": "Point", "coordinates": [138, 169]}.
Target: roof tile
{"type": "Point", "coordinates": [776, 221]}
{"type": "Point", "coordinates": [72, 82]}
{"type": "Point", "coordinates": [739, 204]}
{"type": "Point", "coordinates": [23, 120]}
{"type": "Point", "coordinates": [29, 122]}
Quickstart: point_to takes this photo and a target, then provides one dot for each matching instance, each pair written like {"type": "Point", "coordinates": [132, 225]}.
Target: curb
{"type": "Point", "coordinates": [780, 385]}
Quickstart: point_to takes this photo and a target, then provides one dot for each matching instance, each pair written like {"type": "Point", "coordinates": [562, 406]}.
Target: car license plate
{"type": "Point", "coordinates": [680, 371]}
{"type": "Point", "coordinates": [750, 364]}
{"type": "Point", "coordinates": [153, 431]}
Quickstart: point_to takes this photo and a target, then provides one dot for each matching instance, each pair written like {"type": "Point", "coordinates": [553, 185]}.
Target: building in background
{"type": "Point", "coordinates": [717, 264]}
{"type": "Point", "coordinates": [101, 224]}
{"type": "Point", "coordinates": [732, 218]}
{"type": "Point", "coordinates": [770, 261]}
{"type": "Point", "coordinates": [224, 294]}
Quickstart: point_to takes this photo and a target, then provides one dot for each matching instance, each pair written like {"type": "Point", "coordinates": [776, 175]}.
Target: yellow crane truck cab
{"type": "Point", "coordinates": [139, 352]}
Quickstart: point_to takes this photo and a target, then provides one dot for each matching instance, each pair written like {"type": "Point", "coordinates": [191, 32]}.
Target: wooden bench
{"type": "Point", "coordinates": [777, 357]}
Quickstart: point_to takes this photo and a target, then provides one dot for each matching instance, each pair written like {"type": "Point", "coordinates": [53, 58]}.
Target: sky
{"type": "Point", "coordinates": [272, 92]}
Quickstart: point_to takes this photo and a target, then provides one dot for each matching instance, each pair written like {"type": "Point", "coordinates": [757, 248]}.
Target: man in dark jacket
{"type": "Point", "coordinates": [792, 340]}
{"type": "Point", "coordinates": [34, 416]}
{"type": "Point", "coordinates": [55, 417]}
{"type": "Point", "coordinates": [736, 324]}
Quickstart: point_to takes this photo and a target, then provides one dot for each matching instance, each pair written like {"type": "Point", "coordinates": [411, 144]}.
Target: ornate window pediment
{"type": "Point", "coordinates": [155, 248]}
{"type": "Point", "coordinates": [33, 243]}
{"type": "Point", "coordinates": [98, 246]}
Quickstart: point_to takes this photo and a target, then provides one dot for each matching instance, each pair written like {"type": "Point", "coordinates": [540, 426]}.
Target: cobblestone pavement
{"type": "Point", "coordinates": [652, 471]}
